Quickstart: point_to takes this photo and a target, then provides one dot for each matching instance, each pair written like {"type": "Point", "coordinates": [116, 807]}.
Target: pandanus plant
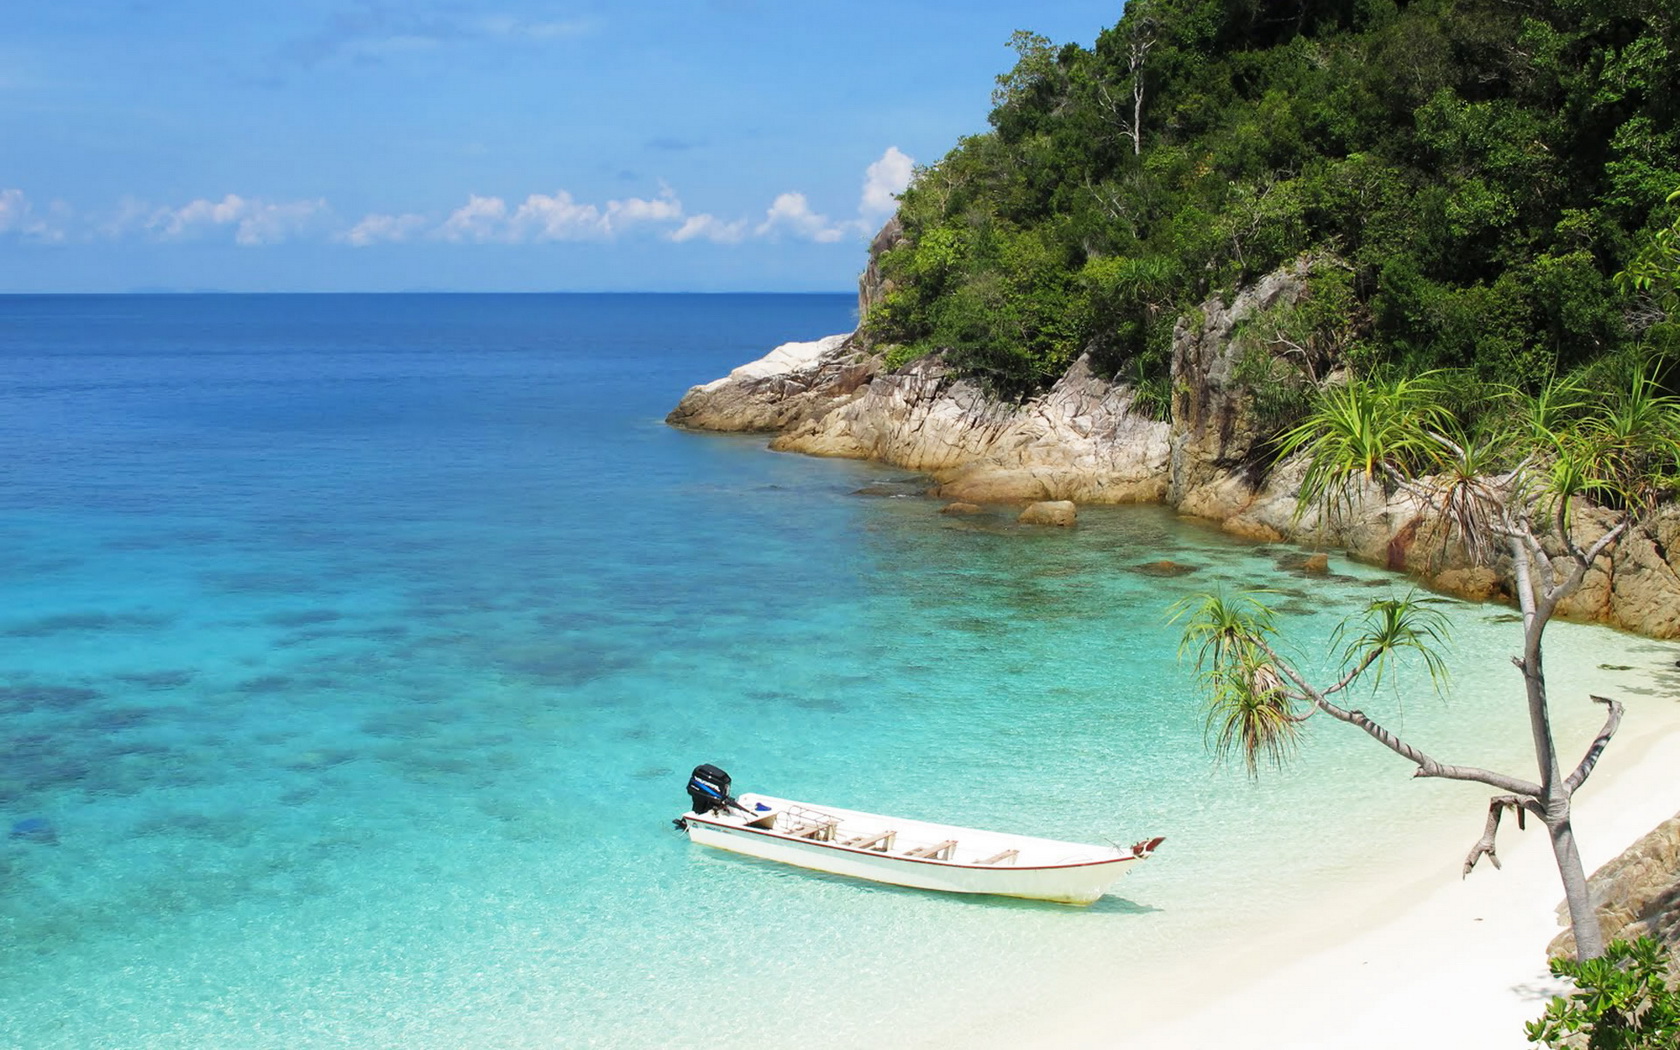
{"type": "Point", "coordinates": [1509, 495]}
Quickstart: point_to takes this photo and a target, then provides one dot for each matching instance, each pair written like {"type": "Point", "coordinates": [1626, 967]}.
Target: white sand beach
{"type": "Point", "coordinates": [1444, 962]}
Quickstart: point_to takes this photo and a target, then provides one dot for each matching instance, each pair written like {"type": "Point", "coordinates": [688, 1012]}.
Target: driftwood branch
{"type": "Point", "coordinates": [1588, 761]}
{"type": "Point", "coordinates": [1485, 846]}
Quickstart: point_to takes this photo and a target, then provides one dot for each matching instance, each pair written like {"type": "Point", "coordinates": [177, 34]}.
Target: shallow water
{"type": "Point", "coordinates": [354, 650]}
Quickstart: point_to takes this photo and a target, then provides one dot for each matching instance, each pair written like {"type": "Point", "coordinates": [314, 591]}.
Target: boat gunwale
{"type": "Point", "coordinates": [877, 854]}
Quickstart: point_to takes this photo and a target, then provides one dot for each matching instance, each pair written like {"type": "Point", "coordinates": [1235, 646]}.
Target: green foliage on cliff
{"type": "Point", "coordinates": [1469, 174]}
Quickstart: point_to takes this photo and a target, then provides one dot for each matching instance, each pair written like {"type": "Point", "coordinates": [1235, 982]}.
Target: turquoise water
{"type": "Point", "coordinates": [354, 651]}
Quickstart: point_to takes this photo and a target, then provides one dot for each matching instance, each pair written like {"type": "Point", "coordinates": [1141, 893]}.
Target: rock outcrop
{"type": "Point", "coordinates": [792, 383]}
{"type": "Point", "coordinates": [1637, 894]}
{"type": "Point", "coordinates": [872, 286]}
{"type": "Point", "coordinates": [1081, 441]}
{"type": "Point", "coordinates": [1078, 441]}
{"type": "Point", "coordinates": [1215, 438]}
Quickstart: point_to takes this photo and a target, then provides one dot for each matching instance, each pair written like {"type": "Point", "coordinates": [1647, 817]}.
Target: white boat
{"type": "Point", "coordinates": [907, 852]}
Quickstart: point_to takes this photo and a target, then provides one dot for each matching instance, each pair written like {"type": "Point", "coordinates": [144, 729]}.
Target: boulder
{"type": "Point", "coordinates": [791, 383]}
{"type": "Point", "coordinates": [1251, 529]}
{"type": "Point", "coordinates": [1476, 583]}
{"type": "Point", "coordinates": [961, 508]}
{"type": "Point", "coordinates": [1050, 512]}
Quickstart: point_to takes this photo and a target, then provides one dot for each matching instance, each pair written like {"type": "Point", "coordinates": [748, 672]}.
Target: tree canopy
{"type": "Point", "coordinates": [1478, 170]}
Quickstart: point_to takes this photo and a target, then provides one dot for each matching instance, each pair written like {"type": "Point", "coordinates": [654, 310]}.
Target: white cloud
{"type": "Point", "coordinates": [14, 206]}
{"type": "Point", "coordinates": [791, 214]}
{"type": "Point", "coordinates": [556, 217]}
{"type": "Point", "coordinates": [477, 220]}
{"type": "Point", "coordinates": [18, 216]}
{"type": "Point", "coordinates": [254, 221]}
{"type": "Point", "coordinates": [883, 181]}
{"type": "Point", "coordinates": [710, 228]}
{"type": "Point", "coordinates": [378, 31]}
{"type": "Point", "coordinates": [383, 229]}
{"type": "Point", "coordinates": [505, 26]}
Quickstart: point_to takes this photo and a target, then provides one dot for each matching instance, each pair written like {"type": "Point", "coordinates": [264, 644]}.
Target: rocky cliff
{"type": "Point", "coordinates": [1083, 440]}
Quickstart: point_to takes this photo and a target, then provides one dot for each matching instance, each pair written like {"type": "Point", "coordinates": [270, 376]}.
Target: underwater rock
{"type": "Point", "coordinates": [156, 679]}
{"type": "Point", "coordinates": [1059, 512]}
{"type": "Point", "coordinates": [1164, 568]}
{"type": "Point", "coordinates": [893, 489]}
{"type": "Point", "coordinates": [30, 696]}
{"type": "Point", "coordinates": [35, 829]}
{"type": "Point", "coordinates": [961, 508]}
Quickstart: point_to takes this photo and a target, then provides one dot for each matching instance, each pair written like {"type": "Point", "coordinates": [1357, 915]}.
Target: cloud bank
{"type": "Point", "coordinates": [540, 218]}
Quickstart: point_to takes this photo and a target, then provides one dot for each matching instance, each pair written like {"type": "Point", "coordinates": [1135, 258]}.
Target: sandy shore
{"type": "Point", "coordinates": [1442, 962]}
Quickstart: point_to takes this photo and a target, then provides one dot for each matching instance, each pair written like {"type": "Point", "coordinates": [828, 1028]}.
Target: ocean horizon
{"type": "Point", "coordinates": [358, 646]}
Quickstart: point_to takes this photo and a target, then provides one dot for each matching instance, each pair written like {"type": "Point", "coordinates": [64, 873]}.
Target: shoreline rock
{"type": "Point", "coordinates": [790, 384]}
{"type": "Point", "coordinates": [1081, 441]}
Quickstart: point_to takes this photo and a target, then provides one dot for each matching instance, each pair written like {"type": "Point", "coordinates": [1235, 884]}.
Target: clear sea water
{"type": "Point", "coordinates": [354, 651]}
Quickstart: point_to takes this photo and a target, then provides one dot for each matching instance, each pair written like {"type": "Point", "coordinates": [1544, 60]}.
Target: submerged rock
{"type": "Point", "coordinates": [35, 829]}
{"type": "Point", "coordinates": [1054, 512]}
{"type": "Point", "coordinates": [1164, 568]}
{"type": "Point", "coordinates": [962, 508]}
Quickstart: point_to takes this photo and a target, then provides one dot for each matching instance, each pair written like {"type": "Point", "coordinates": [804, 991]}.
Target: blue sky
{"type": "Point", "coordinates": [480, 145]}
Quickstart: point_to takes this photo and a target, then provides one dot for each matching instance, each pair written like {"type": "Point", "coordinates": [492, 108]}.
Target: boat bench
{"type": "Point", "coordinates": [881, 843]}
{"type": "Point", "coordinates": [999, 858]}
{"type": "Point", "coordinates": [937, 851]}
{"type": "Point", "coordinates": [814, 832]}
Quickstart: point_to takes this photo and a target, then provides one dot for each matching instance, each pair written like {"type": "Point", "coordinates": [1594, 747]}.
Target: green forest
{"type": "Point", "coordinates": [1464, 178]}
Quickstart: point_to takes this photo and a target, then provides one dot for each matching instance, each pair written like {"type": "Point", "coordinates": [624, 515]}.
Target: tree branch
{"type": "Point", "coordinates": [1590, 759]}
{"type": "Point", "coordinates": [1484, 847]}
{"type": "Point", "coordinates": [1583, 562]}
{"type": "Point", "coordinates": [1426, 765]}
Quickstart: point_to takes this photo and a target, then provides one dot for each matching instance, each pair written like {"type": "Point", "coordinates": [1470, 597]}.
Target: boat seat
{"type": "Point", "coordinates": [937, 851]}
{"type": "Point", "coordinates": [999, 858]}
{"type": "Point", "coordinates": [814, 832]}
{"type": "Point", "coordinates": [881, 842]}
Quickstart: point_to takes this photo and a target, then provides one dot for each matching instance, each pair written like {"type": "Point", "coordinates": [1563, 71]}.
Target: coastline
{"type": "Point", "coordinates": [1417, 957]}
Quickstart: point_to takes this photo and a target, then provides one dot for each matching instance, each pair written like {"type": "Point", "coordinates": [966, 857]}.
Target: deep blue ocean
{"type": "Point", "coordinates": [354, 651]}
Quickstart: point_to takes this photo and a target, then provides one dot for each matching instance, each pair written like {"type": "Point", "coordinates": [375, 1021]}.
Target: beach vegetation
{"type": "Point", "coordinates": [1544, 482]}
{"type": "Point", "coordinates": [1622, 1001]}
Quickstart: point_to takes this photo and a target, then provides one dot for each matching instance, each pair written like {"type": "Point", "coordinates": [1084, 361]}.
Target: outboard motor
{"type": "Point", "coordinates": [708, 787]}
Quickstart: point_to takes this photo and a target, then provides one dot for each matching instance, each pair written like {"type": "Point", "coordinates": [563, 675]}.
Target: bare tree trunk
{"type": "Point", "coordinates": [1137, 109]}
{"type": "Point", "coordinates": [1589, 935]}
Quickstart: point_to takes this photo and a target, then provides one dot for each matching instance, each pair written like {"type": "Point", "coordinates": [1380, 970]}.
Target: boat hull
{"type": "Point", "coordinates": [1070, 883]}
